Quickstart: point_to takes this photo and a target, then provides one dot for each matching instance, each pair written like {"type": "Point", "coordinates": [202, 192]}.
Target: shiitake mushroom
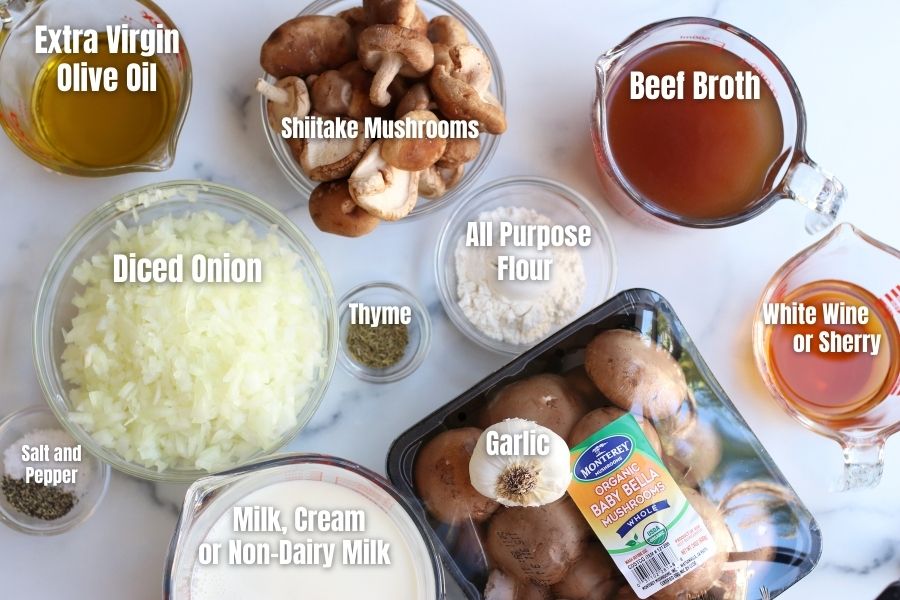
{"type": "Point", "coordinates": [545, 399]}
{"type": "Point", "coordinates": [538, 544]}
{"type": "Point", "coordinates": [635, 374]}
{"type": "Point", "coordinates": [441, 477]}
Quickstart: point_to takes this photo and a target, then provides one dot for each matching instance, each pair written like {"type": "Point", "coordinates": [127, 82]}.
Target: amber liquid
{"type": "Point", "coordinates": [830, 387]}
{"type": "Point", "coordinates": [99, 129]}
{"type": "Point", "coordinates": [701, 159]}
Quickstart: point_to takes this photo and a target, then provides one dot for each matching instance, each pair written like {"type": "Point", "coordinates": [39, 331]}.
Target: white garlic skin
{"type": "Point", "coordinates": [552, 471]}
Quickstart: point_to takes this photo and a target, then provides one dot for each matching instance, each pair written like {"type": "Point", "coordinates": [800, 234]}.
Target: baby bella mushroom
{"type": "Point", "coordinates": [333, 211]}
{"type": "Point", "coordinates": [383, 190]}
{"type": "Point", "coordinates": [414, 153]}
{"type": "Point", "coordinates": [390, 49]}
{"type": "Point", "coordinates": [287, 98]}
{"type": "Point", "coordinates": [307, 45]}
{"type": "Point", "coordinates": [506, 468]}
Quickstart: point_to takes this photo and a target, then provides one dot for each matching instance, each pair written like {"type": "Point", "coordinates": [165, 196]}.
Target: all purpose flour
{"type": "Point", "coordinates": [517, 312]}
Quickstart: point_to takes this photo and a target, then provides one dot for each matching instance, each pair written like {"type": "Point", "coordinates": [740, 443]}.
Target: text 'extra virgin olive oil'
{"type": "Point", "coordinates": [103, 129]}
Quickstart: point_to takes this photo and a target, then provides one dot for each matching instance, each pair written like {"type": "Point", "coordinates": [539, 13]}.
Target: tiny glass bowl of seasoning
{"type": "Point", "coordinates": [385, 332]}
{"type": "Point", "coordinates": [48, 482]}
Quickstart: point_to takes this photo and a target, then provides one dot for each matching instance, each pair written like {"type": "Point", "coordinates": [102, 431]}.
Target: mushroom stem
{"type": "Point", "coordinates": [273, 93]}
{"type": "Point", "coordinates": [387, 70]}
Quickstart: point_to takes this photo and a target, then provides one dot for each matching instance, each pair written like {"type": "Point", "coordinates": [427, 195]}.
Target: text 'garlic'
{"type": "Point", "coordinates": [520, 463]}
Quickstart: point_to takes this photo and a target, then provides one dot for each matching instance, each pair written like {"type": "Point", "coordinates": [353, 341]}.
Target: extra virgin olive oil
{"type": "Point", "coordinates": [100, 129]}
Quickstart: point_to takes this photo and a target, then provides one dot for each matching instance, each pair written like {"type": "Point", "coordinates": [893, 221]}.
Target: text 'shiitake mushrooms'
{"type": "Point", "coordinates": [329, 159]}
{"type": "Point", "coordinates": [333, 211]}
{"type": "Point", "coordinates": [545, 399]}
{"type": "Point", "coordinates": [635, 374]}
{"type": "Point", "coordinates": [460, 89]}
{"type": "Point", "coordinates": [597, 419]}
{"type": "Point", "coordinates": [307, 45]}
{"type": "Point", "coordinates": [391, 49]}
{"type": "Point", "coordinates": [385, 191]}
{"type": "Point", "coordinates": [441, 478]}
{"type": "Point", "coordinates": [538, 544]}
{"type": "Point", "coordinates": [414, 153]}
{"type": "Point", "coordinates": [288, 97]}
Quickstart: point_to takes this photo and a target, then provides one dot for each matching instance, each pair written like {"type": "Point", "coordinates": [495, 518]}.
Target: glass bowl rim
{"type": "Point", "coordinates": [424, 206]}
{"type": "Point", "coordinates": [103, 215]}
{"type": "Point", "coordinates": [420, 314]}
{"type": "Point", "coordinates": [101, 479]}
{"type": "Point", "coordinates": [442, 252]}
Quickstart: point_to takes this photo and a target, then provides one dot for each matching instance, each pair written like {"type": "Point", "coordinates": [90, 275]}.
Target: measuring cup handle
{"type": "Point", "coordinates": [817, 190]}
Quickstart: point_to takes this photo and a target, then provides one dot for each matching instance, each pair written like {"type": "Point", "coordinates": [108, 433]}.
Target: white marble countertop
{"type": "Point", "coordinates": [843, 56]}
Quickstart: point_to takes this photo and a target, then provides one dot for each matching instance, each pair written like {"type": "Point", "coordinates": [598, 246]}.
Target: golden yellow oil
{"type": "Point", "coordinates": [100, 129]}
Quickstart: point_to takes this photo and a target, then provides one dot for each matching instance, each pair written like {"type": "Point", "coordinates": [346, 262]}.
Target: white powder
{"type": "Point", "coordinates": [517, 312]}
{"type": "Point", "coordinates": [14, 466]}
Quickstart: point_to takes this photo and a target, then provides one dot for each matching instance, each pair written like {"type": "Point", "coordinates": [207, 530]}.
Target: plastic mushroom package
{"type": "Point", "coordinates": [378, 106]}
{"type": "Point", "coordinates": [606, 462]}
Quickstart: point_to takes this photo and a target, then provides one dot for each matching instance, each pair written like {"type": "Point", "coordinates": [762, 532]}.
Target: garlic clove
{"type": "Point", "coordinates": [520, 463]}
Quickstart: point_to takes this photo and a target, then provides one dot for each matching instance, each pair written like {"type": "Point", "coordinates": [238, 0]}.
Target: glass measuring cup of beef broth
{"type": "Point", "coordinates": [696, 123]}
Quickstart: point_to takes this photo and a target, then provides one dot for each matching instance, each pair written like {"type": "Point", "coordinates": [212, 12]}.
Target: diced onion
{"type": "Point", "coordinates": [192, 375]}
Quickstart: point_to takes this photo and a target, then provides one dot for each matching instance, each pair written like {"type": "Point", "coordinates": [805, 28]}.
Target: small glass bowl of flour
{"type": "Point", "coordinates": [520, 259]}
{"type": "Point", "coordinates": [48, 485]}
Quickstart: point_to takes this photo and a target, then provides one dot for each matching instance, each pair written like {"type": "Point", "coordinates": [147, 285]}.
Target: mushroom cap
{"type": "Point", "coordinates": [417, 97]}
{"type": "Point", "coordinates": [594, 575]}
{"type": "Point", "coordinates": [390, 12]}
{"type": "Point", "coordinates": [447, 29]}
{"type": "Point", "coordinates": [472, 65]}
{"type": "Point", "coordinates": [376, 41]}
{"type": "Point", "coordinates": [331, 93]}
{"type": "Point", "coordinates": [435, 180]}
{"type": "Point", "coordinates": [356, 18]}
{"type": "Point", "coordinates": [459, 100]}
{"type": "Point", "coordinates": [599, 418]}
{"type": "Point", "coordinates": [329, 159]}
{"type": "Point", "coordinates": [460, 151]}
{"type": "Point", "coordinates": [384, 191]}
{"type": "Point", "coordinates": [360, 81]}
{"type": "Point", "coordinates": [333, 211]}
{"type": "Point", "coordinates": [635, 374]}
{"type": "Point", "coordinates": [306, 45]}
{"type": "Point", "coordinates": [414, 153]}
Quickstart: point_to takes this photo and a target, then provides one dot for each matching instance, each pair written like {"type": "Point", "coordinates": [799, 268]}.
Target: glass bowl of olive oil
{"type": "Point", "coordinates": [95, 89]}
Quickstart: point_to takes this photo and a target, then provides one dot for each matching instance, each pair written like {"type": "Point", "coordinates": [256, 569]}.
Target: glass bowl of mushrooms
{"type": "Point", "coordinates": [338, 61]}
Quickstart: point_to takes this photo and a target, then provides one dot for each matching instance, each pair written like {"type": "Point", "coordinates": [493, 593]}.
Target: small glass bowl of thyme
{"type": "Point", "coordinates": [47, 484]}
{"type": "Point", "coordinates": [385, 332]}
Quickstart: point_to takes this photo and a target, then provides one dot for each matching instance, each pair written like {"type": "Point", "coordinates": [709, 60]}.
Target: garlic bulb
{"type": "Point", "coordinates": [520, 463]}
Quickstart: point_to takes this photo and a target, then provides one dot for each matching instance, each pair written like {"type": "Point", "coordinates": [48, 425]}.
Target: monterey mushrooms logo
{"type": "Point", "coordinates": [603, 457]}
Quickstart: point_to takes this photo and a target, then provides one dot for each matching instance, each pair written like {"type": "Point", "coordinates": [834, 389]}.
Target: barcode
{"type": "Point", "coordinates": [657, 563]}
